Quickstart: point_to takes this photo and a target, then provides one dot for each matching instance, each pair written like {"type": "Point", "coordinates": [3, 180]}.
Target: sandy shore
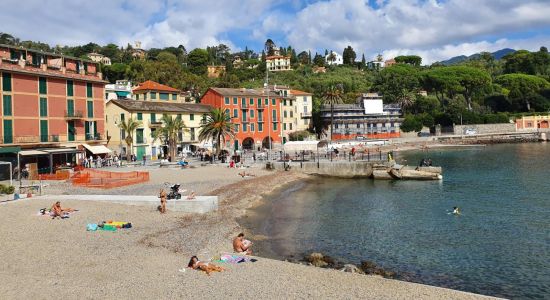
{"type": "Point", "coordinates": [42, 258]}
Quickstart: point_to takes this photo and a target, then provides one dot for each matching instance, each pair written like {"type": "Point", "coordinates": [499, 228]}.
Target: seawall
{"type": "Point", "coordinates": [343, 169]}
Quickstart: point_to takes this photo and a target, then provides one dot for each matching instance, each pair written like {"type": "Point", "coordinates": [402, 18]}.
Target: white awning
{"type": "Point", "coordinates": [61, 150]}
{"type": "Point", "coordinates": [97, 149]}
{"type": "Point", "coordinates": [32, 152]}
{"type": "Point", "coordinates": [301, 146]}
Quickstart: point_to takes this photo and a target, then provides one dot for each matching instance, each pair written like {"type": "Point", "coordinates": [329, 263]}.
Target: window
{"type": "Point", "coordinates": [90, 106]}
{"type": "Point", "coordinates": [153, 96]}
{"type": "Point", "coordinates": [266, 101]}
{"type": "Point", "coordinates": [284, 114]}
{"type": "Point", "coordinates": [274, 115]}
{"type": "Point", "coordinates": [227, 112]}
{"type": "Point", "coordinates": [273, 101]}
{"type": "Point", "coordinates": [164, 96]}
{"type": "Point", "coordinates": [235, 113]}
{"type": "Point", "coordinates": [174, 96]}
{"type": "Point", "coordinates": [284, 126]}
{"type": "Point", "coordinates": [139, 116]}
{"type": "Point", "coordinates": [153, 118]}
{"type": "Point", "coordinates": [144, 96]}
{"type": "Point", "coordinates": [89, 90]}
{"type": "Point", "coordinates": [260, 127]}
{"type": "Point", "coordinates": [244, 116]}
{"type": "Point", "coordinates": [8, 132]}
{"type": "Point", "coordinates": [252, 127]}
{"type": "Point", "coordinates": [139, 136]}
{"type": "Point", "coordinates": [292, 114]}
{"type": "Point", "coordinates": [244, 127]}
{"type": "Point", "coordinates": [260, 116]}
{"type": "Point", "coordinates": [121, 117]}
{"type": "Point", "coordinates": [43, 107]}
{"type": "Point", "coordinates": [42, 85]}
{"type": "Point", "coordinates": [251, 101]}
{"type": "Point", "coordinates": [305, 109]}
{"type": "Point", "coordinates": [192, 134]}
{"type": "Point", "coordinates": [243, 102]}
{"type": "Point", "coordinates": [274, 126]}
{"type": "Point", "coordinates": [358, 125]}
{"type": "Point", "coordinates": [178, 116]}
{"type": "Point", "coordinates": [251, 113]}
{"type": "Point", "coordinates": [192, 117]}
{"type": "Point", "coordinates": [290, 125]}
{"type": "Point", "coordinates": [284, 102]}
{"type": "Point", "coordinates": [236, 127]}
{"type": "Point", "coordinates": [6, 82]}
{"type": "Point", "coordinates": [235, 101]}
{"type": "Point", "coordinates": [43, 131]}
{"type": "Point", "coordinates": [336, 126]}
{"type": "Point", "coordinates": [137, 96]}
{"type": "Point", "coordinates": [70, 107]}
{"type": "Point", "coordinates": [6, 104]}
{"type": "Point", "coordinates": [70, 90]}
{"type": "Point", "coordinates": [226, 100]}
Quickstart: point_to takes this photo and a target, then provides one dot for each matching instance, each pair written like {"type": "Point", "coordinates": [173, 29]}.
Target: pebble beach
{"type": "Point", "coordinates": [44, 258]}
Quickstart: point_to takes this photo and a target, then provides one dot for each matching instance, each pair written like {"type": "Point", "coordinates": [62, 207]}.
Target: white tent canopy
{"type": "Point", "coordinates": [297, 146]}
{"type": "Point", "coordinates": [100, 149]}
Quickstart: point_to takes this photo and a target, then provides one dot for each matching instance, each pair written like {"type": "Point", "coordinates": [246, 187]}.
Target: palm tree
{"type": "Point", "coordinates": [217, 126]}
{"type": "Point", "coordinates": [129, 126]}
{"type": "Point", "coordinates": [332, 96]}
{"type": "Point", "coordinates": [171, 127]}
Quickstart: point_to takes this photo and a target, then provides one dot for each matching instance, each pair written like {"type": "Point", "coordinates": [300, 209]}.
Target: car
{"type": "Point", "coordinates": [359, 138]}
{"type": "Point", "coordinates": [470, 131]}
{"type": "Point", "coordinates": [423, 134]}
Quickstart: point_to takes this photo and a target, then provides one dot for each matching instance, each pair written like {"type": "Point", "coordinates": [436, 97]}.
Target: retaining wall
{"type": "Point", "coordinates": [343, 169]}
{"type": "Point", "coordinates": [486, 128]}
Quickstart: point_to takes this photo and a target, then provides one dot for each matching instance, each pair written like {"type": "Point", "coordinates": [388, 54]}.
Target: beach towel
{"type": "Point", "coordinates": [91, 227]}
{"type": "Point", "coordinates": [233, 259]}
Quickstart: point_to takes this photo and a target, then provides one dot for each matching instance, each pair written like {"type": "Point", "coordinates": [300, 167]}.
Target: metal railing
{"type": "Point", "coordinates": [93, 136]}
{"type": "Point", "coordinates": [74, 114]}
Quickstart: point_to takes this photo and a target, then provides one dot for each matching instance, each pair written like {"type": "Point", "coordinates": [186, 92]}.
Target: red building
{"type": "Point", "coordinates": [49, 101]}
{"type": "Point", "coordinates": [256, 115]}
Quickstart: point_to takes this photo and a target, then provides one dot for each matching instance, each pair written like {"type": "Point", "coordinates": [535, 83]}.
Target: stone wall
{"type": "Point", "coordinates": [485, 128]}
{"type": "Point", "coordinates": [343, 169]}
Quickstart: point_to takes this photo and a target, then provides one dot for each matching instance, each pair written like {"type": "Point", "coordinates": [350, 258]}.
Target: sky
{"type": "Point", "coordinates": [434, 29]}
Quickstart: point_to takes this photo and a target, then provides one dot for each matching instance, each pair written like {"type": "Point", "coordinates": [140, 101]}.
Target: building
{"type": "Point", "coordinates": [215, 71]}
{"type": "Point", "coordinates": [257, 115]}
{"type": "Point", "coordinates": [154, 91]}
{"type": "Point", "coordinates": [389, 63]}
{"type": "Point", "coordinates": [533, 123]}
{"type": "Point", "coordinates": [122, 89]}
{"type": "Point", "coordinates": [334, 59]}
{"type": "Point", "coordinates": [137, 52]}
{"type": "Point", "coordinates": [277, 63]}
{"type": "Point", "coordinates": [99, 58]}
{"type": "Point", "coordinates": [49, 101]}
{"type": "Point", "coordinates": [150, 113]}
{"type": "Point", "coordinates": [367, 118]}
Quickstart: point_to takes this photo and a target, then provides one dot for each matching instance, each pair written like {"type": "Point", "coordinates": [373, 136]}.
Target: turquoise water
{"type": "Point", "coordinates": [499, 246]}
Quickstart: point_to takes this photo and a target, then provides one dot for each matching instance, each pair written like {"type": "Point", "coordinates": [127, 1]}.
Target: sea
{"type": "Point", "coordinates": [499, 245]}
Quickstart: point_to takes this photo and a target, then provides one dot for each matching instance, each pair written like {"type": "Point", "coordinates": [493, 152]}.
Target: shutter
{"type": "Point", "coordinates": [8, 132]}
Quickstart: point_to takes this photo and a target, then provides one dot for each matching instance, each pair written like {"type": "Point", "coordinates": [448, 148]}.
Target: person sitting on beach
{"type": "Point", "coordinates": [207, 267]}
{"type": "Point", "coordinates": [57, 211]}
{"type": "Point", "coordinates": [456, 210]}
{"type": "Point", "coordinates": [242, 246]}
{"type": "Point", "coordinates": [191, 195]}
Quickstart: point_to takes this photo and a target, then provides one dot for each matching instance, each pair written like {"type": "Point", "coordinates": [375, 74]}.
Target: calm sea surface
{"type": "Point", "coordinates": [499, 246]}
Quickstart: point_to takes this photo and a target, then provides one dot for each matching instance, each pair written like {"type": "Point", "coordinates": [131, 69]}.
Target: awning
{"type": "Point", "coordinates": [32, 152]}
{"type": "Point", "coordinates": [97, 149]}
{"type": "Point", "coordinates": [12, 149]}
{"type": "Point", "coordinates": [61, 150]}
{"type": "Point", "coordinates": [122, 93]}
{"type": "Point", "coordinates": [301, 146]}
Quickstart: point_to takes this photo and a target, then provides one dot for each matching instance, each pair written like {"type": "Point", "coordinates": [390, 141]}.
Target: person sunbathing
{"type": "Point", "coordinates": [57, 211]}
{"type": "Point", "coordinates": [191, 196]}
{"type": "Point", "coordinates": [207, 267]}
{"type": "Point", "coordinates": [242, 246]}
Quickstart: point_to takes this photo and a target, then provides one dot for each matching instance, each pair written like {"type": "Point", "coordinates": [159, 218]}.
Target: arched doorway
{"type": "Point", "coordinates": [265, 142]}
{"type": "Point", "coordinates": [543, 124]}
{"type": "Point", "coordinates": [248, 143]}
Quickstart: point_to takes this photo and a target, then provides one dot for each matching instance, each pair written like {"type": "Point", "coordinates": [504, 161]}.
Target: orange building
{"type": "Point", "coordinates": [49, 101]}
{"type": "Point", "coordinates": [256, 116]}
{"type": "Point", "coordinates": [533, 122]}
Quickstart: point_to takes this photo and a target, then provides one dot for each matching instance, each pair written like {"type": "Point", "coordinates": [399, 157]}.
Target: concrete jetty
{"type": "Point", "coordinates": [342, 169]}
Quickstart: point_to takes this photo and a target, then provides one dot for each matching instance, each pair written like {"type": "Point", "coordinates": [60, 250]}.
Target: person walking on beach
{"type": "Point", "coordinates": [242, 246]}
{"type": "Point", "coordinates": [162, 196]}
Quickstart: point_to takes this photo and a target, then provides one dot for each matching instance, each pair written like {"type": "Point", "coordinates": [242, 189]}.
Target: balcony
{"type": "Point", "coordinates": [260, 107]}
{"type": "Point", "coordinates": [245, 107]}
{"type": "Point", "coordinates": [155, 124]}
{"type": "Point", "coordinates": [93, 136]}
{"type": "Point", "coordinates": [306, 115]}
{"type": "Point", "coordinates": [141, 141]}
{"type": "Point", "coordinates": [74, 115]}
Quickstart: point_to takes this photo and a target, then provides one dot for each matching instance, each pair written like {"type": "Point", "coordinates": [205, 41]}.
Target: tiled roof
{"type": "Point", "coordinates": [299, 93]}
{"type": "Point", "coordinates": [51, 73]}
{"type": "Point", "coordinates": [277, 57]}
{"type": "Point", "coordinates": [161, 107]}
{"type": "Point", "coordinates": [238, 92]}
{"type": "Point", "coordinates": [150, 85]}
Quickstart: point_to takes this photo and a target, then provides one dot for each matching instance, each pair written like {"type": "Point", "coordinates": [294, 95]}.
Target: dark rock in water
{"type": "Point", "coordinates": [329, 260]}
{"type": "Point", "coordinates": [371, 268]}
{"type": "Point", "coordinates": [316, 259]}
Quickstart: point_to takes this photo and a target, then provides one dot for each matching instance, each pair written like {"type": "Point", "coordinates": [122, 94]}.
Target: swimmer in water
{"type": "Point", "coordinates": [456, 211]}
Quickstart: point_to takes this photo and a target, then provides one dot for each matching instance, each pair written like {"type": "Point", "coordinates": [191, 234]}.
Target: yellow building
{"type": "Point", "coordinates": [154, 91]}
{"type": "Point", "coordinates": [149, 113]}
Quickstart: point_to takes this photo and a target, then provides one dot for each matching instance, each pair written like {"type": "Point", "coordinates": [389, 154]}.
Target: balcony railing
{"type": "Point", "coordinates": [93, 136]}
{"type": "Point", "coordinates": [155, 124]}
{"type": "Point", "coordinates": [74, 115]}
{"type": "Point", "coordinates": [141, 140]}
{"type": "Point", "coordinates": [245, 106]}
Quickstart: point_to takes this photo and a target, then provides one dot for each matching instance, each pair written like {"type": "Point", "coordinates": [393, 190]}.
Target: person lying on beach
{"type": "Point", "coordinates": [57, 211]}
{"type": "Point", "coordinates": [243, 174]}
{"type": "Point", "coordinates": [242, 246]}
{"type": "Point", "coordinates": [207, 267]}
{"type": "Point", "coordinates": [191, 195]}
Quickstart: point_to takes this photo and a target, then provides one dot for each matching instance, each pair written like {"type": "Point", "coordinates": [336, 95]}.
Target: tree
{"type": "Point", "coordinates": [411, 123]}
{"type": "Point", "coordinates": [116, 71]}
{"type": "Point", "coordinates": [129, 126]}
{"type": "Point", "coordinates": [413, 60]}
{"type": "Point", "coordinates": [332, 96]}
{"type": "Point", "coordinates": [197, 61]}
{"type": "Point", "coordinates": [319, 60]}
{"type": "Point", "coordinates": [522, 87]}
{"type": "Point", "coordinates": [111, 51]}
{"type": "Point", "coordinates": [303, 58]}
{"type": "Point", "coordinates": [399, 84]}
{"type": "Point", "coordinates": [269, 47]}
{"type": "Point", "coordinates": [217, 127]}
{"type": "Point", "coordinates": [521, 61]}
{"type": "Point", "coordinates": [171, 128]}
{"type": "Point", "coordinates": [349, 56]}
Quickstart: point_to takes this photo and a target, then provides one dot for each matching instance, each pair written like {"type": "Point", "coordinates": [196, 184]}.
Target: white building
{"type": "Point", "coordinates": [99, 58]}
{"type": "Point", "coordinates": [278, 63]}
{"type": "Point", "coordinates": [122, 89]}
{"type": "Point", "coordinates": [334, 58]}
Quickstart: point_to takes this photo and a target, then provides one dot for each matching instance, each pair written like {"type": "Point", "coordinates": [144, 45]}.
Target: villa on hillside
{"type": "Point", "coordinates": [334, 59]}
{"type": "Point", "coordinates": [277, 63]}
{"type": "Point", "coordinates": [99, 58]}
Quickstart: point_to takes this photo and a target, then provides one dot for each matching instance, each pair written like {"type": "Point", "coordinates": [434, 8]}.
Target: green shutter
{"type": "Point", "coordinates": [43, 130]}
{"type": "Point", "coordinates": [43, 107]}
{"type": "Point", "coordinates": [139, 116]}
{"type": "Point", "coordinates": [95, 130]}
{"type": "Point", "coordinates": [87, 130]}
{"type": "Point", "coordinates": [70, 107]}
{"type": "Point", "coordinates": [8, 132]}
{"type": "Point", "coordinates": [6, 104]}
{"type": "Point", "coordinates": [6, 82]}
{"type": "Point", "coordinates": [153, 118]}
{"type": "Point", "coordinates": [70, 131]}
{"type": "Point", "coordinates": [42, 85]}
{"type": "Point", "coordinates": [153, 96]}
{"type": "Point", "coordinates": [174, 96]}
{"type": "Point", "coordinates": [89, 90]}
{"type": "Point", "coordinates": [192, 117]}
{"type": "Point", "coordinates": [90, 109]}
{"type": "Point", "coordinates": [121, 117]}
{"type": "Point", "coordinates": [70, 91]}
{"type": "Point", "coordinates": [164, 96]}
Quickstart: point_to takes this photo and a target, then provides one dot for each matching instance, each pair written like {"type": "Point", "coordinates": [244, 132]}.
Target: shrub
{"type": "Point", "coordinates": [7, 189]}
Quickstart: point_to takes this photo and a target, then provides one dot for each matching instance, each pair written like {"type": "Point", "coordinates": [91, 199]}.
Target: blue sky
{"type": "Point", "coordinates": [434, 29]}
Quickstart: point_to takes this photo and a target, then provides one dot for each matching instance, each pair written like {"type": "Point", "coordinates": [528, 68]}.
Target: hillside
{"type": "Point", "coordinates": [458, 59]}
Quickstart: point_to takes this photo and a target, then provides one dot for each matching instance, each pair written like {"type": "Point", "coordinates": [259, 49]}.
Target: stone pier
{"type": "Point", "coordinates": [343, 169]}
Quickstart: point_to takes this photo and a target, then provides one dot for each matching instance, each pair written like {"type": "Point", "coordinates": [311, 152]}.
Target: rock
{"type": "Point", "coordinates": [316, 259]}
{"type": "Point", "coordinates": [352, 269]}
{"type": "Point", "coordinates": [372, 269]}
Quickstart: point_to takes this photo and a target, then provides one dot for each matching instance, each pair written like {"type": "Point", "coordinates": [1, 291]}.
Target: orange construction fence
{"type": "Point", "coordinates": [59, 175]}
{"type": "Point", "coordinates": [105, 179]}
